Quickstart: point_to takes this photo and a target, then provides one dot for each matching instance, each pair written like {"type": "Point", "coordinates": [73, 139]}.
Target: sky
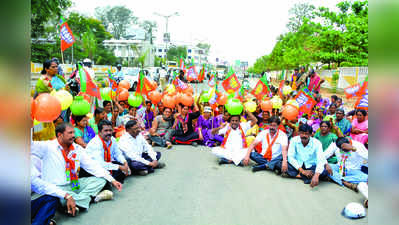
{"type": "Point", "coordinates": [236, 30]}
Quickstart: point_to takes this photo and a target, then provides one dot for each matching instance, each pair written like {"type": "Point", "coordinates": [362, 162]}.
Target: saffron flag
{"type": "Point", "coordinates": [201, 75]}
{"type": "Point", "coordinates": [143, 85]}
{"type": "Point", "coordinates": [353, 91]}
{"type": "Point", "coordinates": [212, 81]}
{"type": "Point", "coordinates": [182, 66]}
{"type": "Point", "coordinates": [231, 82]}
{"type": "Point", "coordinates": [180, 85]}
{"type": "Point", "coordinates": [261, 89]}
{"type": "Point", "coordinates": [112, 82]}
{"type": "Point", "coordinates": [192, 74]}
{"type": "Point", "coordinates": [67, 38]}
{"type": "Point", "coordinates": [363, 101]}
{"type": "Point", "coordinates": [86, 84]}
{"type": "Point", "coordinates": [280, 89]}
{"type": "Point", "coordinates": [305, 101]}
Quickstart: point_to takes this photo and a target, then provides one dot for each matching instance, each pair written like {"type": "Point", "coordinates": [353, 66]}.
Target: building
{"type": "Point", "coordinates": [197, 54]}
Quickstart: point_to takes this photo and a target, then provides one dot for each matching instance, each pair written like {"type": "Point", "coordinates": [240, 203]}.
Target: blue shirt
{"type": "Point", "coordinates": [345, 126]}
{"type": "Point", "coordinates": [311, 155]}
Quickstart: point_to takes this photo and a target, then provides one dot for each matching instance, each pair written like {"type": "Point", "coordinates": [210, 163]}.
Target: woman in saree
{"type": "Point", "coordinates": [360, 127]}
{"type": "Point", "coordinates": [83, 132]}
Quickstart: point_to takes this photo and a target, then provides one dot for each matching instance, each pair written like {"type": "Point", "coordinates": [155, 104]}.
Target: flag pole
{"type": "Point", "coordinates": [72, 55]}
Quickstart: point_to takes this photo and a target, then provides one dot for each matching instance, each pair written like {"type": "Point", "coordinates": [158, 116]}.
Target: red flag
{"type": "Point", "coordinates": [91, 87]}
{"type": "Point", "coordinates": [260, 90]}
{"type": "Point", "coordinates": [201, 76]}
{"type": "Point", "coordinates": [67, 38]}
{"type": "Point", "coordinates": [182, 66]}
{"type": "Point", "coordinates": [280, 89]}
{"type": "Point", "coordinates": [231, 83]}
{"type": "Point", "coordinates": [180, 85]}
{"type": "Point", "coordinates": [305, 102]}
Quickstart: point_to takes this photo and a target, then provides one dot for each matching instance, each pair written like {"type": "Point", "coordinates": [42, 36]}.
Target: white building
{"type": "Point", "coordinates": [199, 55]}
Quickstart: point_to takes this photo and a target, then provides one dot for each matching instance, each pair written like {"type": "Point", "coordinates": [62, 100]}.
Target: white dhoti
{"type": "Point", "coordinates": [234, 154]}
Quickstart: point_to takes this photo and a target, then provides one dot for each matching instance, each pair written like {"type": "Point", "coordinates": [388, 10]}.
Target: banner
{"type": "Point", "coordinates": [67, 38]}
{"type": "Point", "coordinates": [231, 82]}
{"type": "Point", "coordinates": [363, 101]}
{"type": "Point", "coordinates": [305, 101]}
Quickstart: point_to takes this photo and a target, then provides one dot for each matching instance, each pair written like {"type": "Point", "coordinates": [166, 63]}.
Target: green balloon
{"type": "Point", "coordinates": [204, 97]}
{"type": "Point", "coordinates": [135, 100]}
{"type": "Point", "coordinates": [234, 107]}
{"type": "Point", "coordinates": [106, 93]}
{"type": "Point", "coordinates": [80, 106]}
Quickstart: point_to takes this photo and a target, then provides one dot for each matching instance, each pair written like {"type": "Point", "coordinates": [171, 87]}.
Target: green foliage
{"type": "Point", "coordinates": [150, 27]}
{"type": "Point", "coordinates": [116, 19]}
{"type": "Point", "coordinates": [174, 53]}
{"type": "Point", "coordinates": [321, 35]}
{"type": "Point", "coordinates": [42, 11]}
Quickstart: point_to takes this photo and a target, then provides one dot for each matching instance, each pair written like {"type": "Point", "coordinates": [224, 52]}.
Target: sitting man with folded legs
{"type": "Point", "coordinates": [61, 160]}
{"type": "Point", "coordinates": [234, 146]}
{"type": "Point", "coordinates": [142, 159]}
{"type": "Point", "coordinates": [273, 154]}
{"type": "Point", "coordinates": [103, 149]}
{"type": "Point", "coordinates": [306, 159]}
{"type": "Point", "coordinates": [351, 155]}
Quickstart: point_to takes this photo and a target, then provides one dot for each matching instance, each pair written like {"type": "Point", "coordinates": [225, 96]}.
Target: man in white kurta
{"type": "Point", "coordinates": [234, 147]}
{"type": "Point", "coordinates": [103, 148]}
{"type": "Point", "coordinates": [351, 156]}
{"type": "Point", "coordinates": [55, 179]}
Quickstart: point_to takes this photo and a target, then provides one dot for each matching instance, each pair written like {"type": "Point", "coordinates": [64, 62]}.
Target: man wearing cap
{"type": "Point", "coordinates": [351, 156]}
{"type": "Point", "coordinates": [234, 146]}
{"type": "Point", "coordinates": [273, 153]}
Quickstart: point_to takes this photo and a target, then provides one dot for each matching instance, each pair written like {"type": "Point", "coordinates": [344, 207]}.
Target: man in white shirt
{"type": "Point", "coordinates": [61, 160]}
{"type": "Point", "coordinates": [162, 78]}
{"type": "Point", "coordinates": [273, 154]}
{"type": "Point", "coordinates": [142, 159]}
{"type": "Point", "coordinates": [306, 159]}
{"type": "Point", "coordinates": [351, 155]}
{"type": "Point", "coordinates": [103, 149]}
{"type": "Point", "coordinates": [234, 146]}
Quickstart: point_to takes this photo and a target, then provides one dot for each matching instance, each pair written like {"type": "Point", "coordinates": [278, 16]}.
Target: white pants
{"type": "Point", "coordinates": [235, 154]}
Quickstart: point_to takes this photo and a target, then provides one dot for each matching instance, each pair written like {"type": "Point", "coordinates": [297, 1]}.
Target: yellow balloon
{"type": "Point", "coordinates": [89, 115]}
{"type": "Point", "coordinates": [250, 106]}
{"type": "Point", "coordinates": [293, 102]}
{"type": "Point", "coordinates": [277, 102]}
{"type": "Point", "coordinates": [287, 90]}
{"type": "Point", "coordinates": [64, 97]}
{"type": "Point", "coordinates": [170, 88]}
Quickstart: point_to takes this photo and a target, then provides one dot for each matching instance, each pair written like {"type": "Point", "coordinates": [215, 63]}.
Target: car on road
{"type": "Point", "coordinates": [132, 75]}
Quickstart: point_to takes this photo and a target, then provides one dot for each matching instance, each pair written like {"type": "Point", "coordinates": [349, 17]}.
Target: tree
{"type": "Point", "coordinates": [116, 19]}
{"type": "Point", "coordinates": [89, 43]}
{"type": "Point", "coordinates": [298, 13]}
{"type": "Point", "coordinates": [174, 53]}
{"type": "Point", "coordinates": [205, 47]}
{"type": "Point", "coordinates": [44, 10]}
{"type": "Point", "coordinates": [150, 27]}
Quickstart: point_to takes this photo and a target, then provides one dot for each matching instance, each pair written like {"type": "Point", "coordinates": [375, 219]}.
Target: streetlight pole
{"type": "Point", "coordinates": [166, 27]}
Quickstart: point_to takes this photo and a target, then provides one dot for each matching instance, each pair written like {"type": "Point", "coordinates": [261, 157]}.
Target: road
{"type": "Point", "coordinates": [194, 189]}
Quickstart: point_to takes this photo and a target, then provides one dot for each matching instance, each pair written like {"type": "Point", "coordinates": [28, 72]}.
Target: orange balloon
{"type": "Point", "coordinates": [124, 84]}
{"type": "Point", "coordinates": [266, 105]}
{"type": "Point", "coordinates": [120, 89]}
{"type": "Point", "coordinates": [47, 108]}
{"type": "Point", "coordinates": [290, 112]}
{"type": "Point", "coordinates": [221, 99]}
{"type": "Point", "coordinates": [155, 97]}
{"type": "Point", "coordinates": [189, 90]}
{"type": "Point", "coordinates": [187, 100]}
{"type": "Point", "coordinates": [123, 95]}
{"type": "Point", "coordinates": [154, 85]}
{"type": "Point", "coordinates": [169, 101]}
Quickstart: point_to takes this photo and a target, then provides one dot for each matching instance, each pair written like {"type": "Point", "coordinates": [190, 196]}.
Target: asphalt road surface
{"type": "Point", "coordinates": [194, 189]}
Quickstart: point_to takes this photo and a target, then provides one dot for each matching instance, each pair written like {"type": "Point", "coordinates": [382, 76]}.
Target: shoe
{"type": "Point", "coordinates": [104, 195]}
{"type": "Point", "coordinates": [195, 144]}
{"type": "Point", "coordinates": [169, 146]}
{"type": "Point", "coordinates": [160, 165]}
{"type": "Point", "coordinates": [285, 175]}
{"type": "Point", "coordinates": [143, 172]}
{"type": "Point", "coordinates": [258, 168]}
{"type": "Point", "coordinates": [53, 222]}
{"type": "Point", "coordinates": [221, 162]}
{"type": "Point", "coordinates": [277, 171]}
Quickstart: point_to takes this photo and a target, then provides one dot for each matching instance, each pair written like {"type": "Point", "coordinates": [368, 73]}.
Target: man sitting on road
{"type": "Point", "coordinates": [306, 159]}
{"type": "Point", "coordinates": [273, 154]}
{"type": "Point", "coordinates": [351, 155]}
{"type": "Point", "coordinates": [103, 148]}
{"type": "Point", "coordinates": [234, 146]}
{"type": "Point", "coordinates": [61, 160]}
{"type": "Point", "coordinates": [139, 154]}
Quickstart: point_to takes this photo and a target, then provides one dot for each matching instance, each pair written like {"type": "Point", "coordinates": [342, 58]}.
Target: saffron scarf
{"type": "Point", "coordinates": [268, 154]}
{"type": "Point", "coordinates": [107, 150]}
{"type": "Point", "coordinates": [244, 143]}
{"type": "Point", "coordinates": [70, 169]}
